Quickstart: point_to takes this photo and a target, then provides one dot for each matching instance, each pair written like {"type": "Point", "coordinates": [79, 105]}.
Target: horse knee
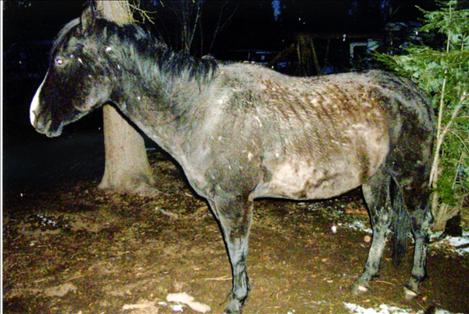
{"type": "Point", "coordinates": [421, 221]}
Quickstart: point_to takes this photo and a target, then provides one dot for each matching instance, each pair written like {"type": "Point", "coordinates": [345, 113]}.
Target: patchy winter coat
{"type": "Point", "coordinates": [242, 132]}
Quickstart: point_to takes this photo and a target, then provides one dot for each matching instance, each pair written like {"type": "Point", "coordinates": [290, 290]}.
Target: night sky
{"type": "Point", "coordinates": [253, 23]}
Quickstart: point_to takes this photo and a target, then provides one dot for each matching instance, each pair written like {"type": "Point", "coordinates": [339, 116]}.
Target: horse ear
{"type": "Point", "coordinates": [88, 17]}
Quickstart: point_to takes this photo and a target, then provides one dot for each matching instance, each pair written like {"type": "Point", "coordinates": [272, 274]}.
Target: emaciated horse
{"type": "Point", "coordinates": [242, 132]}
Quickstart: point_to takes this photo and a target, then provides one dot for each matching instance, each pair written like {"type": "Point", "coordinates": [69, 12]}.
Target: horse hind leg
{"type": "Point", "coordinates": [416, 199]}
{"type": "Point", "coordinates": [412, 170]}
{"type": "Point", "coordinates": [377, 197]}
{"type": "Point", "coordinates": [234, 217]}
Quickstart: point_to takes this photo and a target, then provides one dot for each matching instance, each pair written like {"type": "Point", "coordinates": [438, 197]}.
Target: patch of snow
{"type": "Point", "coordinates": [45, 221]}
{"type": "Point", "coordinates": [356, 225]}
{"type": "Point", "coordinates": [179, 297]}
{"type": "Point", "coordinates": [184, 298]}
{"type": "Point", "coordinates": [386, 309]}
{"type": "Point", "coordinates": [383, 309]}
{"type": "Point", "coordinates": [460, 245]}
{"type": "Point", "coordinates": [441, 311]}
{"type": "Point", "coordinates": [177, 308]}
{"type": "Point", "coordinates": [458, 242]}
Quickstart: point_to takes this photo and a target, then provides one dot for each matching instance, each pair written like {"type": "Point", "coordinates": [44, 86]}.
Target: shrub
{"type": "Point", "coordinates": [440, 66]}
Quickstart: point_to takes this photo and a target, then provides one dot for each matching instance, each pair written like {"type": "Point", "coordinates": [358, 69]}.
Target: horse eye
{"type": "Point", "coordinates": [59, 61]}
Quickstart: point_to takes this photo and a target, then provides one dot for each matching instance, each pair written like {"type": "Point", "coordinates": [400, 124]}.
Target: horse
{"type": "Point", "coordinates": [242, 132]}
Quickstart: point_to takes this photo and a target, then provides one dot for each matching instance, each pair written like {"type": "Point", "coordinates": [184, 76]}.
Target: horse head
{"type": "Point", "coordinates": [76, 81]}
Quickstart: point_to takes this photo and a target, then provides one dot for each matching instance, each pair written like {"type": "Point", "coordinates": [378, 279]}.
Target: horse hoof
{"type": "Point", "coordinates": [359, 288]}
{"type": "Point", "coordinates": [233, 307]}
{"type": "Point", "coordinates": [409, 294]}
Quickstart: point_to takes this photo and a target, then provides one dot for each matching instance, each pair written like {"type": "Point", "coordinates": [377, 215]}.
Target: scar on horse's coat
{"type": "Point", "coordinates": [242, 132]}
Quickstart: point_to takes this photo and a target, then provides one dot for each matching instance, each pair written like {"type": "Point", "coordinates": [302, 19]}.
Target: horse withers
{"type": "Point", "coordinates": [242, 132]}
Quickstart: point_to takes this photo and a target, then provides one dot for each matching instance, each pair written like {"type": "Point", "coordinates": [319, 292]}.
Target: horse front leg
{"type": "Point", "coordinates": [234, 216]}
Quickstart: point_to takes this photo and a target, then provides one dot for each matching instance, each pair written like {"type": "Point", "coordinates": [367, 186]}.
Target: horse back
{"type": "Point", "coordinates": [299, 138]}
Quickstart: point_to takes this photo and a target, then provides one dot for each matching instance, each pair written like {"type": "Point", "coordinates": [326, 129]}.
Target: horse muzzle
{"type": "Point", "coordinates": [43, 124]}
{"type": "Point", "coordinates": [54, 133]}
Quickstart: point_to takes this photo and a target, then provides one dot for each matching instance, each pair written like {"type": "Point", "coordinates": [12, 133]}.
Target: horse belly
{"type": "Point", "coordinates": [302, 180]}
{"type": "Point", "coordinates": [318, 176]}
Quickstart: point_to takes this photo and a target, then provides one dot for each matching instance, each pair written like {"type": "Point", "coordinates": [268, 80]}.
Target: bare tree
{"type": "Point", "coordinates": [190, 29]}
{"type": "Point", "coordinates": [189, 14]}
{"type": "Point", "coordinates": [304, 51]}
{"type": "Point", "coordinates": [127, 169]}
{"type": "Point", "coordinates": [225, 14]}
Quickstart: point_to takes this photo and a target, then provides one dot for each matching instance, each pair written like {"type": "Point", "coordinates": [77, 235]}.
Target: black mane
{"type": "Point", "coordinates": [146, 50]}
{"type": "Point", "coordinates": [152, 50]}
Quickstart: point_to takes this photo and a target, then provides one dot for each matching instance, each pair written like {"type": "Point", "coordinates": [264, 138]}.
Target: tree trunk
{"type": "Point", "coordinates": [127, 169]}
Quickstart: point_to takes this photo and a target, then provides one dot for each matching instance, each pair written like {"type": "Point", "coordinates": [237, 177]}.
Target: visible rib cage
{"type": "Point", "coordinates": [242, 132]}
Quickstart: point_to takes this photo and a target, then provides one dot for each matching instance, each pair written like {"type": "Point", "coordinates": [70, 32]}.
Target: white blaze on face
{"type": "Point", "coordinates": [33, 110]}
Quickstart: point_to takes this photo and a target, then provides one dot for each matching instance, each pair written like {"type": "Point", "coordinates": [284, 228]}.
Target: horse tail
{"type": "Point", "coordinates": [401, 222]}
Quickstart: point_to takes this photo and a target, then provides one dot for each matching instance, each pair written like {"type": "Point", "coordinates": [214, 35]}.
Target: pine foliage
{"type": "Point", "coordinates": [440, 66]}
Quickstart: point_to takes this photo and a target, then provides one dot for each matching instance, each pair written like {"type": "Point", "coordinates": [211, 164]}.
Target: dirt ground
{"type": "Point", "coordinates": [74, 249]}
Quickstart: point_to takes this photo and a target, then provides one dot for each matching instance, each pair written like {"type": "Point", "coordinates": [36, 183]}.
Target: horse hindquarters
{"type": "Point", "coordinates": [234, 217]}
{"type": "Point", "coordinates": [397, 197]}
{"type": "Point", "coordinates": [411, 164]}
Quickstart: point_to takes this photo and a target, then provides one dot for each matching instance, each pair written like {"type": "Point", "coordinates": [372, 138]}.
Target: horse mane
{"type": "Point", "coordinates": [147, 51]}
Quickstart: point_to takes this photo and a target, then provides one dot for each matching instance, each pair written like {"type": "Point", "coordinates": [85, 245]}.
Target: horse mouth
{"type": "Point", "coordinates": [54, 133]}
{"type": "Point", "coordinates": [48, 131]}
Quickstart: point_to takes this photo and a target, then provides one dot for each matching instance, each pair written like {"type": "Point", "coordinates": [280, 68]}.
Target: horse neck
{"type": "Point", "coordinates": [163, 105]}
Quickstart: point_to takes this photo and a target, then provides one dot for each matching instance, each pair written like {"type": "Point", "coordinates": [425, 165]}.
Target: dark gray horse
{"type": "Point", "coordinates": [242, 132]}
